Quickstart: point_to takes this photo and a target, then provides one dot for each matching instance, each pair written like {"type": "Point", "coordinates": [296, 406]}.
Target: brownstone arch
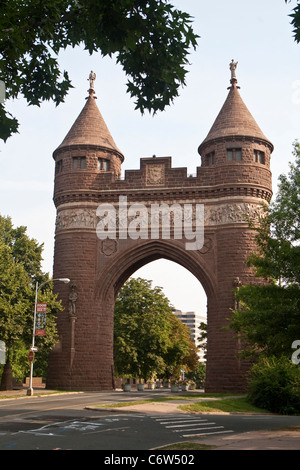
{"type": "Point", "coordinates": [133, 259]}
{"type": "Point", "coordinates": [232, 182]}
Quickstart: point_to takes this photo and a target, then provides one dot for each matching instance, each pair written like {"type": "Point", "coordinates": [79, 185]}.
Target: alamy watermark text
{"type": "Point", "coordinates": [158, 221]}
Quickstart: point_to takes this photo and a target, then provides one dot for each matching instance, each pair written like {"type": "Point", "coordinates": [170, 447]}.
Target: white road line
{"type": "Point", "coordinates": [197, 423]}
{"type": "Point", "coordinates": [206, 433]}
{"type": "Point", "coordinates": [171, 419]}
{"type": "Point", "coordinates": [183, 421]}
{"type": "Point", "coordinates": [200, 429]}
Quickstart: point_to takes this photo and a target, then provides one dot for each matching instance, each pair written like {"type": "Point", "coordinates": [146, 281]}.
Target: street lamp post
{"type": "Point", "coordinates": [32, 349]}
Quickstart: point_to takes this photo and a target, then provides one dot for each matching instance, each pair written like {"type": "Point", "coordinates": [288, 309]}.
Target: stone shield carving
{"type": "Point", "coordinates": [155, 174]}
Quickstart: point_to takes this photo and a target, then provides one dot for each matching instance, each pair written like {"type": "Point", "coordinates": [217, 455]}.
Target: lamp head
{"type": "Point", "coordinates": [64, 279]}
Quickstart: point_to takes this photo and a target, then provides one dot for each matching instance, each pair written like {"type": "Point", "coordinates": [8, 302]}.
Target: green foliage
{"type": "Point", "coordinates": [19, 360]}
{"type": "Point", "coordinates": [25, 250]}
{"type": "Point", "coordinates": [268, 318]}
{"type": "Point", "coordinates": [20, 269]}
{"type": "Point", "coordinates": [278, 235]}
{"type": "Point", "coordinates": [296, 21]}
{"type": "Point", "coordinates": [148, 338]}
{"type": "Point", "coordinates": [149, 38]}
{"type": "Point", "coordinates": [140, 329]}
{"type": "Point", "coordinates": [268, 314]}
{"type": "Point", "coordinates": [203, 338]}
{"type": "Point", "coordinates": [198, 375]}
{"type": "Point", "coordinates": [181, 353]}
{"type": "Point", "coordinates": [14, 297]}
{"type": "Point", "coordinates": [274, 385]}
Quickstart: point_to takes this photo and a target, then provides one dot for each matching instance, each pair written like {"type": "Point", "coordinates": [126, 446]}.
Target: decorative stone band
{"type": "Point", "coordinates": [214, 215]}
{"type": "Point", "coordinates": [76, 219]}
{"type": "Point", "coordinates": [234, 213]}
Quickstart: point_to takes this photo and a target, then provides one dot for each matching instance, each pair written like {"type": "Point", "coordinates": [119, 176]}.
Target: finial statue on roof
{"type": "Point", "coordinates": [92, 78]}
{"type": "Point", "coordinates": [91, 91]}
{"type": "Point", "coordinates": [233, 66]}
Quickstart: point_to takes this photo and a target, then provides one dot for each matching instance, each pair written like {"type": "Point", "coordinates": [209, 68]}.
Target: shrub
{"type": "Point", "coordinates": [274, 385]}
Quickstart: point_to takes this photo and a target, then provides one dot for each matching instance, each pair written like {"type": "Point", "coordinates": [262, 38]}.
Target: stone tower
{"type": "Point", "coordinates": [232, 182]}
{"type": "Point", "coordinates": [238, 154]}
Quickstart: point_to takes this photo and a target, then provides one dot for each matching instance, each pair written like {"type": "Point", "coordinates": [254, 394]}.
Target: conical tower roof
{"type": "Point", "coordinates": [90, 129]}
{"type": "Point", "coordinates": [234, 120]}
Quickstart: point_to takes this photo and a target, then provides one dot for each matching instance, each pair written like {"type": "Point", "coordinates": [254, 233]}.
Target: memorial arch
{"type": "Point", "coordinates": [95, 248]}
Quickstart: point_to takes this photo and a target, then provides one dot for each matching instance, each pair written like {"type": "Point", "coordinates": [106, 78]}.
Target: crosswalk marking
{"type": "Point", "coordinates": [179, 423]}
{"type": "Point", "coordinates": [191, 426]}
{"type": "Point", "coordinates": [196, 423]}
{"type": "Point", "coordinates": [200, 429]}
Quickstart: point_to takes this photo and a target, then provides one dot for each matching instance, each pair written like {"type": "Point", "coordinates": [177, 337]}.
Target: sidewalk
{"type": "Point", "coordinates": [281, 439]}
{"type": "Point", "coordinates": [22, 392]}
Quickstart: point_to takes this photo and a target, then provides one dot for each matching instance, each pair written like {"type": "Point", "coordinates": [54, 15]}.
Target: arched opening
{"type": "Point", "coordinates": [139, 256]}
{"type": "Point", "coordinates": [161, 255]}
{"type": "Point", "coordinates": [143, 351]}
{"type": "Point", "coordinates": [183, 289]}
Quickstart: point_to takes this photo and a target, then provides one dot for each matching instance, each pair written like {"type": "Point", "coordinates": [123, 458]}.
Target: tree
{"type": "Point", "coordinates": [295, 21]}
{"type": "Point", "coordinates": [198, 375]}
{"type": "Point", "coordinates": [268, 316]}
{"type": "Point", "coordinates": [20, 269]}
{"type": "Point", "coordinates": [141, 329]}
{"type": "Point", "coordinates": [149, 38]}
{"type": "Point", "coordinates": [268, 319]}
{"type": "Point", "coordinates": [203, 338]}
{"type": "Point", "coordinates": [14, 298]}
{"type": "Point", "coordinates": [24, 250]}
{"type": "Point", "coordinates": [182, 351]}
{"type": "Point", "coordinates": [148, 338]}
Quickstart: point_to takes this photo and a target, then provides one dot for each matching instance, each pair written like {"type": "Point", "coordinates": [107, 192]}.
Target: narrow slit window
{"type": "Point", "coordinates": [79, 162]}
{"type": "Point", "coordinates": [234, 154]}
{"type": "Point", "coordinates": [229, 155]}
{"type": "Point", "coordinates": [58, 166]}
{"type": "Point", "coordinates": [210, 158]}
{"type": "Point", "coordinates": [82, 163]}
{"type": "Point", "coordinates": [259, 157]}
{"type": "Point", "coordinates": [238, 155]}
{"type": "Point", "coordinates": [103, 164]}
{"type": "Point", "coordinates": [75, 163]}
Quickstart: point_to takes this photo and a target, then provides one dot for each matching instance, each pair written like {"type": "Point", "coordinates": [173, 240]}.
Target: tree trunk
{"type": "Point", "coordinates": [6, 380]}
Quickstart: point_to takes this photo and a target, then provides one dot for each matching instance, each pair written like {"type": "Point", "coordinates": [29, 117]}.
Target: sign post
{"type": "Point", "coordinates": [39, 309]}
{"type": "Point", "coordinates": [30, 389]}
{"type": "Point", "coordinates": [31, 356]}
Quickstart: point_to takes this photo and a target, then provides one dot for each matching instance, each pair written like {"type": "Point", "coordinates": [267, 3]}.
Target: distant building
{"type": "Point", "coordinates": [192, 320]}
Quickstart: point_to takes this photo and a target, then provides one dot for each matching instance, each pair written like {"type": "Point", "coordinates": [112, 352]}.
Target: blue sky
{"type": "Point", "coordinates": [255, 33]}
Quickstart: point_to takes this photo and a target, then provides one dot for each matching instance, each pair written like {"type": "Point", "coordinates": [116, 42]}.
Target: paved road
{"type": "Point", "coordinates": [63, 422]}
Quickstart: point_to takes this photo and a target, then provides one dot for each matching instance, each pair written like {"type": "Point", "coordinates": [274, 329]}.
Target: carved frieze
{"type": "Point", "coordinates": [232, 213]}
{"type": "Point", "coordinates": [76, 219]}
{"type": "Point", "coordinates": [214, 215]}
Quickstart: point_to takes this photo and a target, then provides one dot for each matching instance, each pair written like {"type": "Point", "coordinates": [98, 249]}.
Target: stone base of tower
{"type": "Point", "coordinates": [87, 372]}
{"type": "Point", "coordinates": [86, 382]}
{"type": "Point", "coordinates": [227, 378]}
{"type": "Point", "coordinates": [226, 371]}
{"type": "Point", "coordinates": [83, 357]}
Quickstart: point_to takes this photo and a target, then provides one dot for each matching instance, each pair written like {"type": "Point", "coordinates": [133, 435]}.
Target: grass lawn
{"type": "Point", "coordinates": [220, 403]}
{"type": "Point", "coordinates": [228, 405]}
